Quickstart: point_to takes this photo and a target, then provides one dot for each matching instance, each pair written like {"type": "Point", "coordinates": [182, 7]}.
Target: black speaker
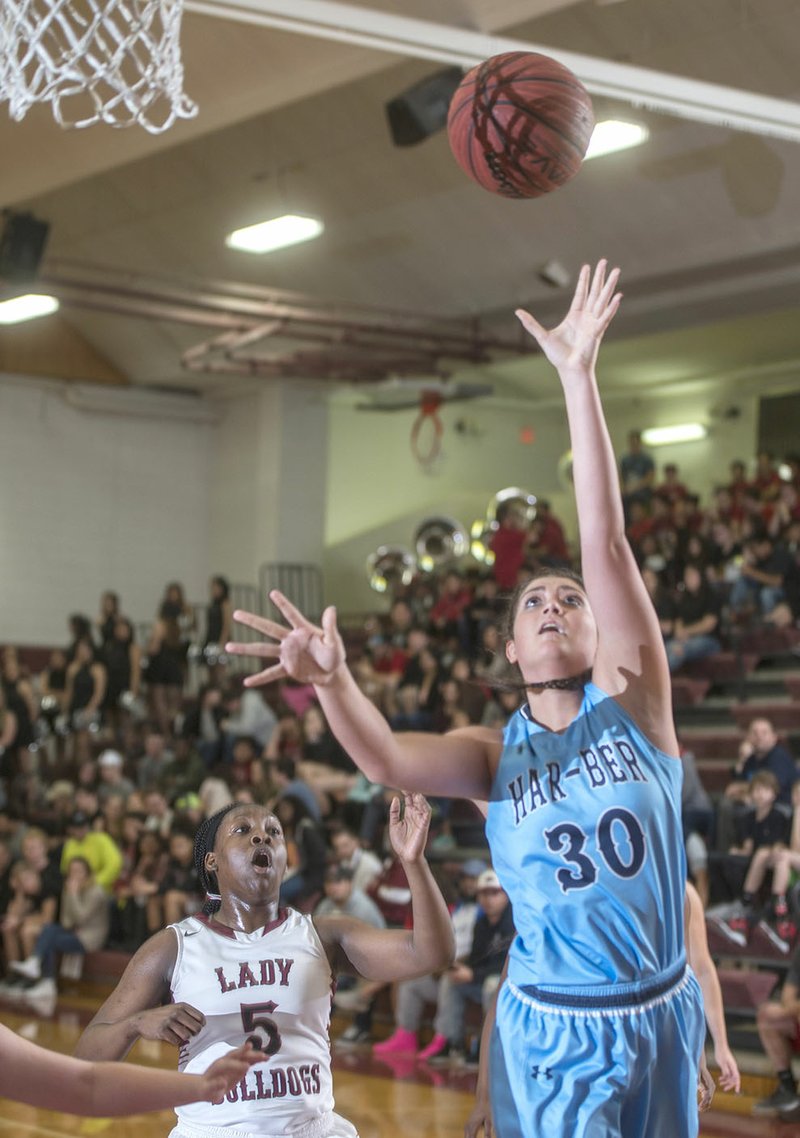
{"type": "Point", "coordinates": [422, 110]}
{"type": "Point", "coordinates": [21, 246]}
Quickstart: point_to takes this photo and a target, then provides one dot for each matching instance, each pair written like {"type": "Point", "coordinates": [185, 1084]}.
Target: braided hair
{"type": "Point", "coordinates": [204, 841]}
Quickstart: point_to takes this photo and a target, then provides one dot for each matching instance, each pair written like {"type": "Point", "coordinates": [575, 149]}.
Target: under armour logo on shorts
{"type": "Point", "coordinates": [545, 1072]}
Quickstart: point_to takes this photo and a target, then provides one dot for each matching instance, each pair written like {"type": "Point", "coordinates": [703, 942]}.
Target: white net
{"type": "Point", "coordinates": [111, 61]}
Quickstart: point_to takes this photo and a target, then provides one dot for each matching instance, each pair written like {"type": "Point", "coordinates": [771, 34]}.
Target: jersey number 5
{"type": "Point", "coordinates": [255, 1018]}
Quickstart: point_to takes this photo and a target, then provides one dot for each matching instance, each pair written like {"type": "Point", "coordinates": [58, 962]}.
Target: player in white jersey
{"type": "Point", "coordinates": [599, 1028]}
{"type": "Point", "coordinates": [246, 970]}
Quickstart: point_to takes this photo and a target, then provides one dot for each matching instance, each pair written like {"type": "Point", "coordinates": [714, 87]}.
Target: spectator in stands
{"type": "Point", "coordinates": [764, 827]}
{"type": "Point", "coordinates": [9, 730]}
{"type": "Point", "coordinates": [219, 623]}
{"type": "Point", "coordinates": [508, 544]}
{"type": "Point", "coordinates": [697, 814]}
{"type": "Point", "coordinates": [101, 853]}
{"type": "Point", "coordinates": [158, 811]}
{"type": "Point", "coordinates": [82, 927]}
{"type": "Point", "coordinates": [19, 697]}
{"type": "Point", "coordinates": [184, 772]}
{"type": "Point", "coordinates": [760, 586]}
{"type": "Point", "coordinates": [84, 695]}
{"type": "Point", "coordinates": [637, 473]}
{"type": "Point", "coordinates": [122, 658]}
{"type": "Point", "coordinates": [319, 744]}
{"type": "Point", "coordinates": [760, 750]}
{"type": "Point", "coordinates": [696, 622]}
{"type": "Point", "coordinates": [348, 851]}
{"type": "Point", "coordinates": [247, 713]}
{"type": "Point", "coordinates": [80, 628]}
{"type": "Point", "coordinates": [179, 890]}
{"type": "Point", "coordinates": [449, 616]}
{"type": "Point", "coordinates": [662, 600]}
{"type": "Point", "coordinates": [778, 1025]}
{"type": "Point", "coordinates": [113, 783]}
{"type": "Point", "coordinates": [150, 767]}
{"type": "Point", "coordinates": [202, 724]}
{"type": "Point", "coordinates": [782, 859]}
{"type": "Point", "coordinates": [107, 616]}
{"type": "Point", "coordinates": [475, 980]}
{"type": "Point", "coordinates": [413, 995]}
{"type": "Point", "coordinates": [671, 488]}
{"type": "Point", "coordinates": [37, 885]}
{"type": "Point", "coordinates": [551, 545]}
{"type": "Point", "coordinates": [343, 898]}
{"type": "Point", "coordinates": [306, 852]}
{"type": "Point", "coordinates": [166, 653]}
{"type": "Point", "coordinates": [139, 911]}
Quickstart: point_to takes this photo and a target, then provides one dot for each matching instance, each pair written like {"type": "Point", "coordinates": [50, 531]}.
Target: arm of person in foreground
{"type": "Point", "coordinates": [702, 965]}
{"type": "Point", "coordinates": [399, 954]}
{"type": "Point", "coordinates": [51, 1081]}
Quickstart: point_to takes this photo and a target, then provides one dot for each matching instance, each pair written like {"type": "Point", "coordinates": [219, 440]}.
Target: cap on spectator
{"type": "Point", "coordinates": [61, 788]}
{"type": "Point", "coordinates": [338, 872]}
{"type": "Point", "coordinates": [79, 818]}
{"type": "Point", "coordinates": [111, 759]}
{"type": "Point", "coordinates": [472, 867]}
{"type": "Point", "coordinates": [488, 880]}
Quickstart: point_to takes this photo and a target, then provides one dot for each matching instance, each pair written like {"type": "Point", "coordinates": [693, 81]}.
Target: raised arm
{"type": "Point", "coordinates": [394, 954]}
{"type": "Point", "coordinates": [456, 765]}
{"type": "Point", "coordinates": [139, 1007]}
{"type": "Point", "coordinates": [52, 1081]}
{"type": "Point", "coordinates": [631, 663]}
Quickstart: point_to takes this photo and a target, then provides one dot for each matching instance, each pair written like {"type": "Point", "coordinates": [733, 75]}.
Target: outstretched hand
{"type": "Point", "coordinates": [226, 1072]}
{"type": "Point", "coordinates": [574, 344]}
{"type": "Point", "coordinates": [408, 826]}
{"type": "Point", "coordinates": [306, 652]}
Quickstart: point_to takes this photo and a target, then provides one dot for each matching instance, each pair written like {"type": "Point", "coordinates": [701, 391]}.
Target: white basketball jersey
{"type": "Point", "coordinates": [274, 986]}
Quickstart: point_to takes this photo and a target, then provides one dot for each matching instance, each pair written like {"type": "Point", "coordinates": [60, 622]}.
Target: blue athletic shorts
{"type": "Point", "coordinates": [615, 1062]}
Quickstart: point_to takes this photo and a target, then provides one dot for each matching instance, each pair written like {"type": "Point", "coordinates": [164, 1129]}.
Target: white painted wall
{"type": "Point", "coordinates": [90, 501]}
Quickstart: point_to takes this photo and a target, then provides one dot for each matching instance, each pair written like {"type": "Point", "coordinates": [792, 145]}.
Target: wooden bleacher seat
{"type": "Point", "coordinates": [722, 667]}
{"type": "Point", "coordinates": [783, 716]}
{"type": "Point", "coordinates": [743, 989]}
{"type": "Point", "coordinates": [688, 691]}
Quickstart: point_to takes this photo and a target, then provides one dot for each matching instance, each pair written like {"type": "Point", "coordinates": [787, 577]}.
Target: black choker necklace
{"type": "Point", "coordinates": [568, 683]}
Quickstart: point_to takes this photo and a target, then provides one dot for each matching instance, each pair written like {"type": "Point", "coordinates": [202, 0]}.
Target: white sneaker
{"type": "Point", "coordinates": [32, 967]}
{"type": "Point", "coordinates": [44, 987]}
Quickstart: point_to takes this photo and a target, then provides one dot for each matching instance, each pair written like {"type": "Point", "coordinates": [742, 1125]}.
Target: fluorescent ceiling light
{"type": "Point", "coordinates": [27, 307]}
{"type": "Point", "coordinates": [611, 135]}
{"type": "Point", "coordinates": [275, 234]}
{"type": "Point", "coordinates": [679, 433]}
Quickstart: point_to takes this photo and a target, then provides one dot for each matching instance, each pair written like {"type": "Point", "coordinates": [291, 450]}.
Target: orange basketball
{"type": "Point", "coordinates": [519, 124]}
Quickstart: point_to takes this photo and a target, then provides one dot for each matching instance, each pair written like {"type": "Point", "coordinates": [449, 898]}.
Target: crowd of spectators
{"type": "Point", "coordinates": [113, 752]}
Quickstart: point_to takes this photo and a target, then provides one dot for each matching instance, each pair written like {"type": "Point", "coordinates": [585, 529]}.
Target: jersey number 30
{"type": "Point", "coordinates": [569, 840]}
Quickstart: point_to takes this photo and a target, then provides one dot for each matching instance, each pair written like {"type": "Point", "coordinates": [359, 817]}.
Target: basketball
{"type": "Point", "coordinates": [519, 124]}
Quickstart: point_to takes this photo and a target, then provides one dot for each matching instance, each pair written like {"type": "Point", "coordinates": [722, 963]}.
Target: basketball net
{"type": "Point", "coordinates": [429, 404]}
{"type": "Point", "coordinates": [111, 61]}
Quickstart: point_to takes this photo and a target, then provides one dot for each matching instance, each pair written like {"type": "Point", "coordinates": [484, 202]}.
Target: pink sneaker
{"type": "Point", "coordinates": [402, 1042]}
{"type": "Point", "coordinates": [437, 1046]}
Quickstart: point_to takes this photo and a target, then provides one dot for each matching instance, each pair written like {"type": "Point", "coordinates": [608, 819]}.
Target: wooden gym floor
{"type": "Point", "coordinates": [383, 1101]}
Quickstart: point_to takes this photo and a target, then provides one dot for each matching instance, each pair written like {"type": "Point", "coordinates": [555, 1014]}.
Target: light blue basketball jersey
{"type": "Point", "coordinates": [585, 833]}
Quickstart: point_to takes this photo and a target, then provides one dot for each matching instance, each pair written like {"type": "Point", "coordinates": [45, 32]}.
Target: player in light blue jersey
{"type": "Point", "coordinates": [599, 1026]}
